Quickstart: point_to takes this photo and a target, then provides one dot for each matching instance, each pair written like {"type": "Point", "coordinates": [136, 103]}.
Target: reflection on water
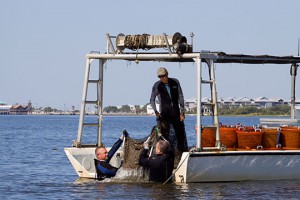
{"type": "Point", "coordinates": [34, 166]}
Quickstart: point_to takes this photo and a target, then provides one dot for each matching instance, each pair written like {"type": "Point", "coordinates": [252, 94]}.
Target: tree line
{"type": "Point", "coordinates": [248, 110]}
{"type": "Point", "coordinates": [126, 109]}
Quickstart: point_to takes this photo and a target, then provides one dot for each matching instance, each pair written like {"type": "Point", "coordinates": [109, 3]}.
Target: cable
{"type": "Point", "coordinates": [176, 169]}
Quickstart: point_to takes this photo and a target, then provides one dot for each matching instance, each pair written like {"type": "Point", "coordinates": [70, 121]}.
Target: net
{"type": "Point", "coordinates": [133, 150]}
{"type": "Point", "coordinates": [134, 147]}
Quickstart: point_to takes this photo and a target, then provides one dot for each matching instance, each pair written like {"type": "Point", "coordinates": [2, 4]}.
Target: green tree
{"type": "Point", "coordinates": [145, 108]}
{"type": "Point", "coordinates": [247, 110]}
{"type": "Point", "coordinates": [48, 110]}
{"type": "Point", "coordinates": [125, 109]}
{"type": "Point", "coordinates": [111, 109]}
{"type": "Point", "coordinates": [138, 109]}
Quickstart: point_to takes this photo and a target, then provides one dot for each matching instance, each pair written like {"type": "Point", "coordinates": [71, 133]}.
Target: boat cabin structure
{"type": "Point", "coordinates": [202, 163]}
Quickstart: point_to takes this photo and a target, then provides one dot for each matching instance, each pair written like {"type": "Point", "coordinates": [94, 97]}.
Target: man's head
{"type": "Point", "coordinates": [161, 147]}
{"type": "Point", "coordinates": [101, 153]}
{"type": "Point", "coordinates": [162, 74]}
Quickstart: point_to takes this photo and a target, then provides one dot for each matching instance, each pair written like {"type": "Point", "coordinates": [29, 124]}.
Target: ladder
{"type": "Point", "coordinates": [97, 102]}
{"type": "Point", "coordinates": [213, 103]}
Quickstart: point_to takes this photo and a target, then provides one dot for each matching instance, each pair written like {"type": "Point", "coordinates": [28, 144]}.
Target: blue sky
{"type": "Point", "coordinates": [43, 46]}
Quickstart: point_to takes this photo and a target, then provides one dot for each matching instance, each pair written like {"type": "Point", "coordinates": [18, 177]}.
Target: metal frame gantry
{"type": "Point", "coordinates": [198, 58]}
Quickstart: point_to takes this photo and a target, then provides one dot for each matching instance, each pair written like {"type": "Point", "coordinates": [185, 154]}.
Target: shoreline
{"type": "Point", "coordinates": [144, 114]}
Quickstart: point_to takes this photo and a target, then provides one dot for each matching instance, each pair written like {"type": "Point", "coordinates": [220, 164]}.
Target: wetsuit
{"type": "Point", "coordinates": [160, 166]}
{"type": "Point", "coordinates": [103, 168]}
{"type": "Point", "coordinates": [171, 105]}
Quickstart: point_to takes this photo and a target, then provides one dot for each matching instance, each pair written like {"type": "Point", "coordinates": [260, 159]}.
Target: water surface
{"type": "Point", "coordinates": [34, 166]}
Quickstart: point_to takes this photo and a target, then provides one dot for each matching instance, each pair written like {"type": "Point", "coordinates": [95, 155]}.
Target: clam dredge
{"type": "Point", "coordinates": [236, 153]}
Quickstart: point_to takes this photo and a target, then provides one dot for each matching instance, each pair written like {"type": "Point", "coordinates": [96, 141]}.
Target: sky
{"type": "Point", "coordinates": [43, 46]}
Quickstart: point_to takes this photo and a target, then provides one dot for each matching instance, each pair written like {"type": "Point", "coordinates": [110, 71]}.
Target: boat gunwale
{"type": "Point", "coordinates": [246, 152]}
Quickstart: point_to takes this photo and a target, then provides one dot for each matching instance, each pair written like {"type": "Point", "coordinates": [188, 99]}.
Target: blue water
{"type": "Point", "coordinates": [33, 164]}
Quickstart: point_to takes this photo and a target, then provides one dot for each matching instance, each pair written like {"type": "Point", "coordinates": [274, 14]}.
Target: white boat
{"type": "Point", "coordinates": [202, 164]}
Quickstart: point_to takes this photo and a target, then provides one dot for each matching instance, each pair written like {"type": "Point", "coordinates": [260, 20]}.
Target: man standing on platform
{"type": "Point", "coordinates": [171, 99]}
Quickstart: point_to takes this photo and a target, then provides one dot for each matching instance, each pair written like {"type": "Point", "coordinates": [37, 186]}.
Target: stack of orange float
{"type": "Point", "coordinates": [228, 136]}
{"type": "Point", "coordinates": [290, 137]}
{"type": "Point", "coordinates": [238, 137]}
{"type": "Point", "coordinates": [270, 138]}
{"type": "Point", "coordinates": [249, 138]}
{"type": "Point", "coordinates": [208, 137]}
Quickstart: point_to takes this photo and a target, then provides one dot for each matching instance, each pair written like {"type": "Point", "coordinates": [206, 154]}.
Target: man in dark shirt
{"type": "Point", "coordinates": [103, 168]}
{"type": "Point", "coordinates": [160, 166]}
{"type": "Point", "coordinates": [171, 99]}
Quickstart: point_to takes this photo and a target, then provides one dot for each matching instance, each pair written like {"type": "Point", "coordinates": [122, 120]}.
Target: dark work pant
{"type": "Point", "coordinates": [179, 129]}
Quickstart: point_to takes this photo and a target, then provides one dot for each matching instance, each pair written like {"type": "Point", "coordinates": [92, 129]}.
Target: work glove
{"type": "Point", "coordinates": [182, 117]}
{"type": "Point", "coordinates": [125, 133]}
{"type": "Point", "coordinates": [146, 145]}
{"type": "Point", "coordinates": [157, 114]}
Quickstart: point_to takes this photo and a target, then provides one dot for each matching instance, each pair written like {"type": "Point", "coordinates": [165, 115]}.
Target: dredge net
{"type": "Point", "coordinates": [134, 147]}
{"type": "Point", "coordinates": [130, 170]}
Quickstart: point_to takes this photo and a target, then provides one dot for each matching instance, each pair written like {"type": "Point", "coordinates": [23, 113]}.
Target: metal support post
{"type": "Point", "coordinates": [214, 97]}
{"type": "Point", "coordinates": [100, 101]}
{"type": "Point", "coordinates": [198, 125]}
{"type": "Point", "coordinates": [293, 72]}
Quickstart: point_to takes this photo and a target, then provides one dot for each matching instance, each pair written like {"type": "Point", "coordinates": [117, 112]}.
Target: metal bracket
{"type": "Point", "coordinates": [109, 44]}
{"type": "Point", "coordinates": [168, 46]}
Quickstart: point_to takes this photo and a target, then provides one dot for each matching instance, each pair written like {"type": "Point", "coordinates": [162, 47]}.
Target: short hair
{"type": "Point", "coordinates": [99, 148]}
{"type": "Point", "coordinates": [163, 146]}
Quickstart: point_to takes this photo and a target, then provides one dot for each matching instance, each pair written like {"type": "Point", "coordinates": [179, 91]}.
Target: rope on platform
{"type": "Point", "coordinates": [135, 42]}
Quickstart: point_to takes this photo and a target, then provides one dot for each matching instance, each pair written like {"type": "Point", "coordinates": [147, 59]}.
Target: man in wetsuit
{"type": "Point", "coordinates": [103, 168]}
{"type": "Point", "coordinates": [170, 95]}
{"type": "Point", "coordinates": [160, 166]}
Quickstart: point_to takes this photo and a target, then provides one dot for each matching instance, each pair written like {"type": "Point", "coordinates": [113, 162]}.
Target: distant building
{"type": "Point", "coordinates": [18, 109]}
{"type": "Point", "coordinates": [4, 108]}
{"type": "Point", "coordinates": [264, 102]}
{"type": "Point", "coordinates": [229, 102]}
{"type": "Point", "coordinates": [190, 104]}
{"type": "Point", "coordinates": [150, 111]}
{"type": "Point", "coordinates": [232, 102]}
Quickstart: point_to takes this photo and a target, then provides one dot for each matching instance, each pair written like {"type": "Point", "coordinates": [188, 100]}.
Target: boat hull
{"type": "Point", "coordinates": [238, 166]}
{"type": "Point", "coordinates": [220, 166]}
{"type": "Point", "coordinates": [82, 160]}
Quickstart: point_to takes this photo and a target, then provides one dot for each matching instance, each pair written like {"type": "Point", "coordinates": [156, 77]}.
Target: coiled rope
{"type": "Point", "coordinates": [135, 42]}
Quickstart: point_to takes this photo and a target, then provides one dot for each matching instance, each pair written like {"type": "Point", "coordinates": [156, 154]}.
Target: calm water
{"type": "Point", "coordinates": [33, 164]}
